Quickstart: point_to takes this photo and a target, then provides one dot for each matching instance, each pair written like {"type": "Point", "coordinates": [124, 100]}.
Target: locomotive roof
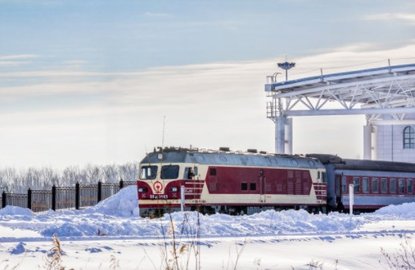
{"type": "Point", "coordinates": [357, 164]}
{"type": "Point", "coordinates": [230, 158]}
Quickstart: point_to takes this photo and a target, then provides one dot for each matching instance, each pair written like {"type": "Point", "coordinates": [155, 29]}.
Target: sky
{"type": "Point", "coordinates": [92, 81]}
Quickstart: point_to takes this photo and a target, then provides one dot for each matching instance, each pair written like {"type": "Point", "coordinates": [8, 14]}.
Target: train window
{"type": "Point", "coordinates": [169, 171]}
{"type": "Point", "coordinates": [252, 186]}
{"type": "Point", "coordinates": [392, 185]}
{"type": "Point", "coordinates": [356, 184]}
{"type": "Point", "coordinates": [344, 184]}
{"type": "Point", "coordinates": [188, 173]}
{"type": "Point", "coordinates": [244, 186]}
{"type": "Point", "coordinates": [324, 177]}
{"type": "Point", "coordinates": [409, 186]}
{"type": "Point", "coordinates": [375, 185]}
{"type": "Point", "coordinates": [408, 138]}
{"type": "Point", "coordinates": [212, 171]}
{"type": "Point", "coordinates": [365, 185]}
{"type": "Point", "coordinates": [318, 175]}
{"type": "Point", "coordinates": [384, 185]}
{"type": "Point", "coordinates": [148, 172]}
{"type": "Point", "coordinates": [401, 186]}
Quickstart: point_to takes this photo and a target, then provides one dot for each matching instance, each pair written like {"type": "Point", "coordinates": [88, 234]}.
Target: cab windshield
{"type": "Point", "coordinates": [148, 172]}
{"type": "Point", "coordinates": [169, 172]}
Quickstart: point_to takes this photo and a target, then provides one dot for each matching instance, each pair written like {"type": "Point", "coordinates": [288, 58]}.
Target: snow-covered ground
{"type": "Point", "coordinates": [111, 235]}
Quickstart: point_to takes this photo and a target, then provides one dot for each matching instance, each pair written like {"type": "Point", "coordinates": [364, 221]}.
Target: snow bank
{"type": "Point", "coordinates": [406, 210]}
{"type": "Point", "coordinates": [269, 222]}
{"type": "Point", "coordinates": [190, 224]}
{"type": "Point", "coordinates": [122, 204]}
{"type": "Point", "coordinates": [10, 210]}
{"type": "Point", "coordinates": [118, 216]}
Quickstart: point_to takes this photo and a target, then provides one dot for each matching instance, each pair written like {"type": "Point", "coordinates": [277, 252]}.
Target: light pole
{"type": "Point", "coordinates": [286, 66]}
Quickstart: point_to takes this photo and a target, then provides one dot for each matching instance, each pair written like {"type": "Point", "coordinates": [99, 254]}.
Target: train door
{"type": "Point", "coordinates": [338, 185]}
{"type": "Point", "coordinates": [212, 180]}
{"type": "Point", "coordinates": [339, 188]}
{"type": "Point", "coordinates": [298, 184]}
{"type": "Point", "coordinates": [192, 187]}
{"type": "Point", "coordinates": [290, 182]}
{"type": "Point", "coordinates": [262, 183]}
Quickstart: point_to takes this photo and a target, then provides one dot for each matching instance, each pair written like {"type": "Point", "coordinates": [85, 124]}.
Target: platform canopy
{"type": "Point", "coordinates": [384, 90]}
{"type": "Point", "coordinates": [373, 92]}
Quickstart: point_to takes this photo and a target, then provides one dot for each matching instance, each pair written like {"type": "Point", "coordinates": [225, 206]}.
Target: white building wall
{"type": "Point", "coordinates": [389, 144]}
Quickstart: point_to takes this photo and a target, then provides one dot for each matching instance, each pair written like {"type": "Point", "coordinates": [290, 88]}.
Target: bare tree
{"type": "Point", "coordinates": [110, 173]}
{"type": "Point", "coordinates": [93, 173]}
{"type": "Point", "coordinates": [12, 180]}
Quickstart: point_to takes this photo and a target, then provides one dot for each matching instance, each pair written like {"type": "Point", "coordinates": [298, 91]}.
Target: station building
{"type": "Point", "coordinates": [395, 142]}
{"type": "Point", "coordinates": [384, 95]}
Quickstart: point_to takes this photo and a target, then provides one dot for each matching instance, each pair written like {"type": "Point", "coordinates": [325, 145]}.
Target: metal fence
{"type": "Point", "coordinates": [15, 199]}
{"type": "Point", "coordinates": [63, 197]}
{"type": "Point", "coordinates": [88, 195]}
{"type": "Point", "coordinates": [41, 200]}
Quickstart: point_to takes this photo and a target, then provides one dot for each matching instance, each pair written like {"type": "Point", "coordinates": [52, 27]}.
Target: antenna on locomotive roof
{"type": "Point", "coordinates": [164, 129]}
{"type": "Point", "coordinates": [160, 156]}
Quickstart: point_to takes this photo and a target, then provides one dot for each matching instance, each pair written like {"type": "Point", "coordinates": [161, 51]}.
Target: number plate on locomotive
{"type": "Point", "coordinates": [158, 196]}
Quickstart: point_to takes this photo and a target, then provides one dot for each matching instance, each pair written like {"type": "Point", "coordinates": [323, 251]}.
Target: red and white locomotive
{"type": "Point", "coordinates": [229, 182]}
{"type": "Point", "coordinates": [236, 182]}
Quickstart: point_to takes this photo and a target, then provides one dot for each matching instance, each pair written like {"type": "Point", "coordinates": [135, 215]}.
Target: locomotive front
{"type": "Point", "coordinates": [163, 175]}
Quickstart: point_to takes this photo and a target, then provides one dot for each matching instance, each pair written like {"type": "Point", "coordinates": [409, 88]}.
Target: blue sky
{"type": "Point", "coordinates": [113, 35]}
{"type": "Point", "coordinates": [90, 81]}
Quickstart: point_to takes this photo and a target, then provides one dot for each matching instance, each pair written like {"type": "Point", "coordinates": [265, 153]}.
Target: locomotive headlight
{"type": "Point", "coordinates": [174, 189]}
{"type": "Point", "coordinates": [140, 190]}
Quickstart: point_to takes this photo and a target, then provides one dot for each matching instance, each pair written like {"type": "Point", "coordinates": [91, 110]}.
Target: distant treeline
{"type": "Point", "coordinates": [17, 181]}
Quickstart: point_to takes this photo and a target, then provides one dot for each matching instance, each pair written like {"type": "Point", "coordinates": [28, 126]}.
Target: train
{"type": "Point", "coordinates": [236, 182]}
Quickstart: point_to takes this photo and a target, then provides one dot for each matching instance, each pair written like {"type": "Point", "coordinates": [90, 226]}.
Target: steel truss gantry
{"type": "Point", "coordinates": [376, 93]}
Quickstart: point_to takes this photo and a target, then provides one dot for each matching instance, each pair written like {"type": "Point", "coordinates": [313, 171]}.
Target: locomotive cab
{"type": "Point", "coordinates": [163, 181]}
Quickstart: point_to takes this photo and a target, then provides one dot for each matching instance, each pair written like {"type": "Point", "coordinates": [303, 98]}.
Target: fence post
{"type": "Point", "coordinates": [99, 192]}
{"type": "Point", "coordinates": [182, 197]}
{"type": "Point", "coordinates": [351, 198]}
{"type": "Point", "coordinates": [77, 195]}
{"type": "Point", "coordinates": [3, 199]}
{"type": "Point", "coordinates": [121, 183]}
{"type": "Point", "coordinates": [54, 198]}
{"type": "Point", "coordinates": [29, 198]}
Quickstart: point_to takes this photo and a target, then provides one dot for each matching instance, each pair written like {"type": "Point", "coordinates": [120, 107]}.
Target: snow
{"type": "Point", "coordinates": [19, 249]}
{"type": "Point", "coordinates": [113, 228]}
{"type": "Point", "coordinates": [406, 210]}
{"type": "Point", "coordinates": [123, 204]}
{"type": "Point", "coordinates": [15, 211]}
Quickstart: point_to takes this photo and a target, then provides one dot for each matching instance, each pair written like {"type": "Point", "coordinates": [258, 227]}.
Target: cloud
{"type": "Point", "coordinates": [16, 59]}
{"type": "Point", "coordinates": [353, 57]}
{"type": "Point", "coordinates": [171, 83]}
{"type": "Point", "coordinates": [403, 17]}
{"type": "Point", "coordinates": [13, 63]}
{"type": "Point", "coordinates": [75, 63]}
{"type": "Point", "coordinates": [119, 114]}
